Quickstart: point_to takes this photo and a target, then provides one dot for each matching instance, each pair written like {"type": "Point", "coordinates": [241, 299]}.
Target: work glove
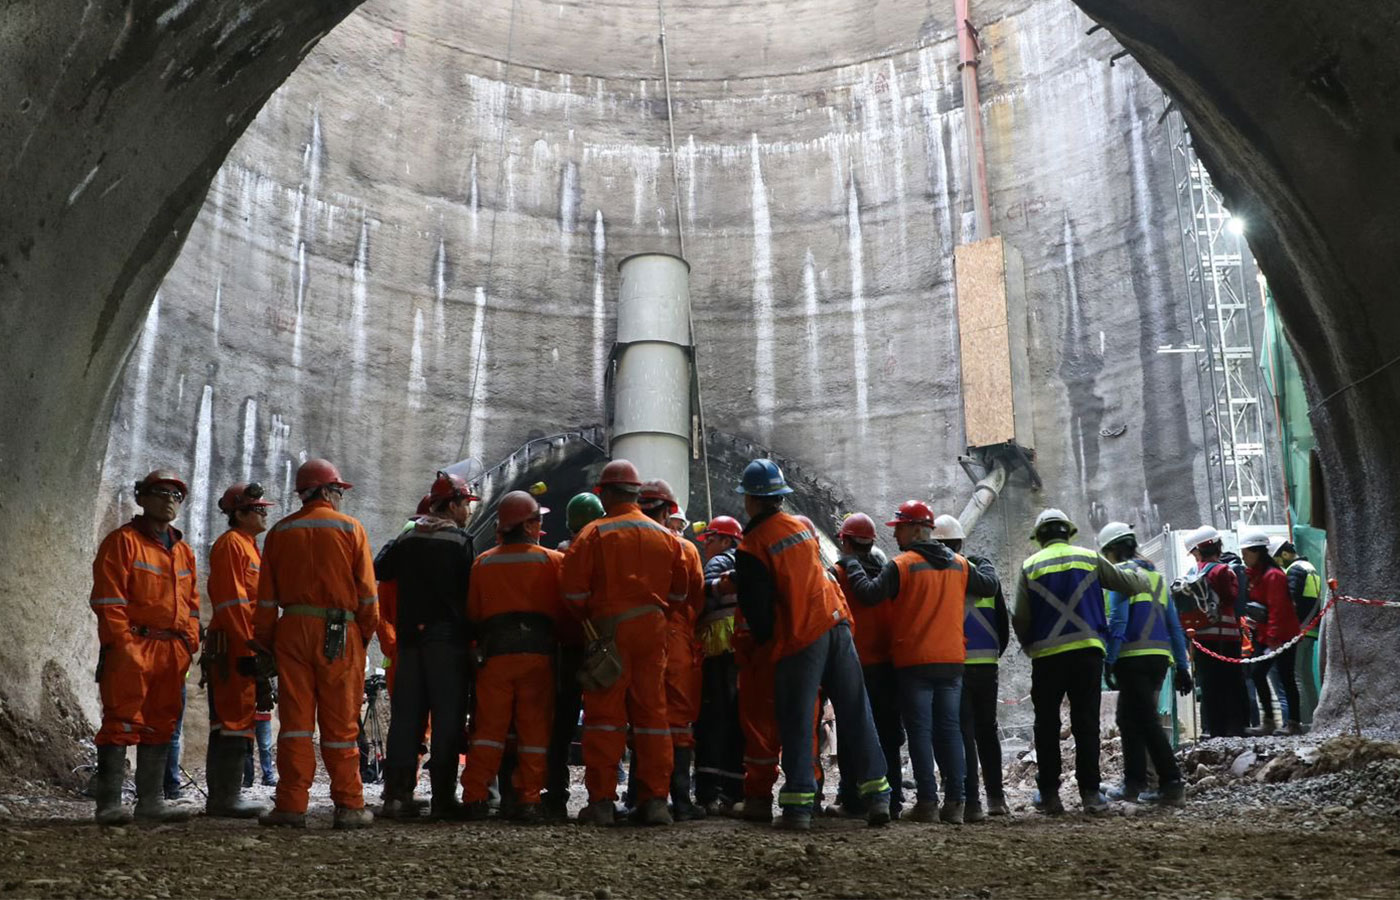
{"type": "Point", "coordinates": [1110, 679]}
{"type": "Point", "coordinates": [264, 664]}
{"type": "Point", "coordinates": [267, 695]}
{"type": "Point", "coordinates": [1184, 684]}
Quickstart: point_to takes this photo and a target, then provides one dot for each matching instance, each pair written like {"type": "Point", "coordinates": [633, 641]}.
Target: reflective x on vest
{"type": "Point", "coordinates": [980, 632]}
{"type": "Point", "coordinates": [1147, 619]}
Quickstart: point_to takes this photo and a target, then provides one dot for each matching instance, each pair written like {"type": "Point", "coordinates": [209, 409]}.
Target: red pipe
{"type": "Point", "coordinates": [968, 50]}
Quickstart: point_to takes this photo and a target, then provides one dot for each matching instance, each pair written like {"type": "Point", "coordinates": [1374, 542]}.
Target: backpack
{"type": "Point", "coordinates": [1197, 603]}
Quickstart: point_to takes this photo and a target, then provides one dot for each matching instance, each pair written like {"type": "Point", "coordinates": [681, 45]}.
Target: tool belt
{"type": "Point", "coordinates": [215, 661]}
{"type": "Point", "coordinates": [333, 646]}
{"type": "Point", "coordinates": [162, 634]}
{"type": "Point", "coordinates": [517, 632]}
{"type": "Point", "coordinates": [602, 666]}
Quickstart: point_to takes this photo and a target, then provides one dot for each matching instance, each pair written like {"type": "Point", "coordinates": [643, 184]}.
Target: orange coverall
{"type": "Point", "coordinates": [314, 561]}
{"type": "Point", "coordinates": [682, 659]}
{"type": "Point", "coordinates": [616, 565]}
{"type": "Point", "coordinates": [234, 568]}
{"type": "Point", "coordinates": [513, 579]}
{"type": "Point", "coordinates": [147, 607]}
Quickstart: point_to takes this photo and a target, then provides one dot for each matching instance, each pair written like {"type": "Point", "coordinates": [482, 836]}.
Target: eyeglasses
{"type": "Point", "coordinates": [177, 496]}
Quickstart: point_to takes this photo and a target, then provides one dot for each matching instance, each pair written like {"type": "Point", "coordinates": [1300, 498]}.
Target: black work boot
{"type": "Point", "coordinates": [225, 777]}
{"type": "Point", "coordinates": [107, 785]}
{"type": "Point", "coordinates": [683, 809]}
{"type": "Point", "coordinates": [399, 803]}
{"type": "Point", "coordinates": [150, 789]}
{"type": "Point", "coordinates": [445, 806]}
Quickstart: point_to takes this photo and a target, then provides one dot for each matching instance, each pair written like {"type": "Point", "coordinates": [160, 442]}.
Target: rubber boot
{"type": "Point", "coordinates": [150, 790]}
{"type": "Point", "coordinates": [598, 812]}
{"type": "Point", "coordinates": [346, 818]}
{"type": "Point", "coordinates": [682, 808]}
{"type": "Point", "coordinates": [107, 785]}
{"type": "Point", "coordinates": [225, 777]}
{"type": "Point", "coordinates": [1267, 728]}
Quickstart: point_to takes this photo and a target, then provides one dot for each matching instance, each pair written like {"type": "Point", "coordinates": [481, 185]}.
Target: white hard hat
{"type": "Point", "coordinates": [1204, 535]}
{"type": "Point", "coordinates": [947, 528]}
{"type": "Point", "coordinates": [1113, 531]}
{"type": "Point", "coordinates": [678, 514]}
{"type": "Point", "coordinates": [1048, 516]}
{"type": "Point", "coordinates": [1256, 540]}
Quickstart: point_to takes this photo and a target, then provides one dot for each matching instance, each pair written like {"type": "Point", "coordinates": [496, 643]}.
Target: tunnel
{"type": "Point", "coordinates": [239, 236]}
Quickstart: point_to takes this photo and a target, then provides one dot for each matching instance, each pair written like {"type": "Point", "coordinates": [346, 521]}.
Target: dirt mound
{"type": "Point", "coordinates": [49, 748]}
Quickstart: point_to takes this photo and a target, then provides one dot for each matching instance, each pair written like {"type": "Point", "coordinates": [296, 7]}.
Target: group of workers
{"type": "Point", "coordinates": [713, 662]}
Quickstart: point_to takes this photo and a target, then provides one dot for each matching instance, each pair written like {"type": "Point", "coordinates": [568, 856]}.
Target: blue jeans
{"type": "Point", "coordinates": [173, 778]}
{"type": "Point", "coordinates": [932, 711]}
{"type": "Point", "coordinates": [262, 731]}
{"type": "Point", "coordinates": [829, 664]}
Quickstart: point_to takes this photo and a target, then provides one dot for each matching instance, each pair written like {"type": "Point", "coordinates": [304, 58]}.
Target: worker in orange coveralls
{"type": "Point", "coordinates": [514, 605]}
{"type": "Point", "coordinates": [317, 569]}
{"type": "Point", "coordinates": [147, 605]}
{"type": "Point", "coordinates": [234, 568]}
{"type": "Point", "coordinates": [622, 572]}
{"type": "Point", "coordinates": [658, 501]}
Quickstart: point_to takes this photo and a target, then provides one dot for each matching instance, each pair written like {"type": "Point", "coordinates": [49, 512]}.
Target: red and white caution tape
{"type": "Point", "coordinates": [1302, 632]}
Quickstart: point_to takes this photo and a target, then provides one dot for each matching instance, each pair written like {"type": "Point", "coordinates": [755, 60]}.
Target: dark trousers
{"type": "Point", "coordinates": [719, 740]}
{"type": "Point", "coordinates": [883, 691]}
{"type": "Point", "coordinates": [981, 736]}
{"type": "Point", "coordinates": [1139, 685]}
{"type": "Point", "coordinates": [1224, 701]}
{"type": "Point", "coordinates": [432, 678]}
{"type": "Point", "coordinates": [568, 701]}
{"type": "Point", "coordinates": [1285, 665]}
{"type": "Point", "coordinates": [930, 707]}
{"type": "Point", "coordinates": [1074, 674]}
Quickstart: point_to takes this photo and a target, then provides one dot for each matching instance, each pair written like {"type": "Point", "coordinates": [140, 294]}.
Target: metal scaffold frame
{"type": "Point", "coordinates": [1214, 255]}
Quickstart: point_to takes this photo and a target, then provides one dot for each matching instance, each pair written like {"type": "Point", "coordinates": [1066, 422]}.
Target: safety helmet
{"type": "Point", "coordinates": [449, 487]}
{"type": "Point", "coordinates": [582, 509]}
{"type": "Point", "coordinates": [723, 526]}
{"type": "Point", "coordinates": [948, 528]}
{"type": "Point", "coordinates": [620, 474]}
{"type": "Point", "coordinates": [678, 513]}
{"type": "Point", "coordinates": [319, 473]}
{"type": "Point", "coordinates": [913, 512]}
{"type": "Point", "coordinates": [1050, 517]}
{"type": "Point", "coordinates": [858, 527]}
{"type": "Point", "coordinates": [1206, 534]}
{"type": "Point", "coordinates": [1254, 540]}
{"type": "Point", "coordinates": [517, 508]}
{"type": "Point", "coordinates": [657, 493]}
{"type": "Point", "coordinates": [424, 506]}
{"type": "Point", "coordinates": [1114, 531]}
{"type": "Point", "coordinates": [1279, 544]}
{"type": "Point", "coordinates": [161, 476]}
{"type": "Point", "coordinates": [763, 478]}
{"type": "Point", "coordinates": [243, 495]}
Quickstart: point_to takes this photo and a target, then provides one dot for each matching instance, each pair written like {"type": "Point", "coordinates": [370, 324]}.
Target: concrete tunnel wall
{"type": "Point", "coordinates": [820, 148]}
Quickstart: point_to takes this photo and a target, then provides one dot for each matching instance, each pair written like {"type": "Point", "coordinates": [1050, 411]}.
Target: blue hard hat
{"type": "Point", "coordinates": [763, 478]}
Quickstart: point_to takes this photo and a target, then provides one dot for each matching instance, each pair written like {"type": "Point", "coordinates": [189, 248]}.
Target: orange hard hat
{"type": "Point", "coordinates": [319, 473]}
{"type": "Point", "coordinates": [858, 527]}
{"type": "Point", "coordinates": [517, 508]}
{"type": "Point", "coordinates": [161, 476]}
{"type": "Point", "coordinates": [450, 487]}
{"type": "Point", "coordinates": [620, 472]}
{"type": "Point", "coordinates": [723, 526]}
{"type": "Point", "coordinates": [913, 512]}
{"type": "Point", "coordinates": [656, 493]}
{"type": "Point", "coordinates": [243, 495]}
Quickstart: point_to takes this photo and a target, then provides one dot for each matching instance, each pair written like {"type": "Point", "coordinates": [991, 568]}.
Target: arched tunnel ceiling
{"type": "Point", "coordinates": [839, 146]}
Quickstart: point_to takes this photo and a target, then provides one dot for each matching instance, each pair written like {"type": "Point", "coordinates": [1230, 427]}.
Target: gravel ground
{"type": "Point", "coordinates": [1241, 836]}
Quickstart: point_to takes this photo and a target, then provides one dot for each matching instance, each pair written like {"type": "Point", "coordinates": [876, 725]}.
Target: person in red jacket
{"type": "Point", "coordinates": [1275, 621]}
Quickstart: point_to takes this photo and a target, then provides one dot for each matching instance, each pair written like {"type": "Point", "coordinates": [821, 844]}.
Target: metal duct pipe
{"type": "Point", "coordinates": [651, 385]}
{"type": "Point", "coordinates": [984, 494]}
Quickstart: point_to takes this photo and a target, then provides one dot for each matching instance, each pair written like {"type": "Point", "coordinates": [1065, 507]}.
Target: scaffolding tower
{"type": "Point", "coordinates": [1214, 255]}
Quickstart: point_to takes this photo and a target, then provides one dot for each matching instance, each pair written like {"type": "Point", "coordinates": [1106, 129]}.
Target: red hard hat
{"type": "Point", "coordinates": [161, 476]}
{"type": "Point", "coordinates": [319, 473]}
{"type": "Point", "coordinates": [621, 472]}
{"type": "Point", "coordinates": [655, 493]}
{"type": "Point", "coordinates": [516, 508]}
{"type": "Point", "coordinates": [723, 526]}
{"type": "Point", "coordinates": [242, 496]}
{"type": "Point", "coordinates": [424, 506]}
{"type": "Point", "coordinates": [858, 527]}
{"type": "Point", "coordinates": [450, 487]}
{"type": "Point", "coordinates": [913, 512]}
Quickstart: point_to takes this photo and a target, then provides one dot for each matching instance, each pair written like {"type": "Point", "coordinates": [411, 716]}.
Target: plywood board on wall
{"type": "Point", "coordinates": [988, 407]}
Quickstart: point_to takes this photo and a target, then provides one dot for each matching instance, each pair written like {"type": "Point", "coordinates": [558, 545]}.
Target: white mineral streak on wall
{"type": "Point", "coordinates": [1075, 327]}
{"type": "Point", "coordinates": [600, 310]}
{"type": "Point", "coordinates": [812, 310]}
{"type": "Point", "coordinates": [568, 205]}
{"type": "Point", "coordinates": [646, 163]}
{"type": "Point", "coordinates": [289, 500]}
{"type": "Point", "coordinates": [762, 296]}
{"type": "Point", "coordinates": [140, 391]}
{"type": "Point", "coordinates": [897, 145]}
{"type": "Point", "coordinates": [860, 371]}
{"type": "Point", "coordinates": [198, 503]}
{"type": "Point", "coordinates": [218, 306]}
{"type": "Point", "coordinates": [250, 439]}
{"type": "Point", "coordinates": [480, 365]}
{"type": "Point", "coordinates": [474, 201]}
{"type": "Point", "coordinates": [278, 431]}
{"type": "Point", "coordinates": [417, 384]}
{"type": "Point", "coordinates": [315, 156]}
{"type": "Point", "coordinates": [359, 309]}
{"type": "Point", "coordinates": [688, 160]}
{"type": "Point", "coordinates": [439, 302]}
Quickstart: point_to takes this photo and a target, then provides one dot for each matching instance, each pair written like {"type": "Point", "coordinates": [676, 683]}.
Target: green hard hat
{"type": "Point", "coordinates": [582, 509]}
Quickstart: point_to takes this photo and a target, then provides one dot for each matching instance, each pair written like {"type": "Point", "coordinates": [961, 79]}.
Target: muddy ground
{"type": "Point", "coordinates": [1244, 834]}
